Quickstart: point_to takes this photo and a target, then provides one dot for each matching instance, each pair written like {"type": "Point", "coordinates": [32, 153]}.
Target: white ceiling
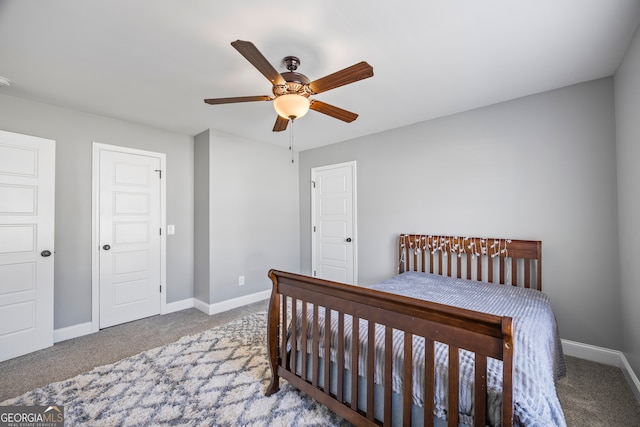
{"type": "Point", "coordinates": [154, 61]}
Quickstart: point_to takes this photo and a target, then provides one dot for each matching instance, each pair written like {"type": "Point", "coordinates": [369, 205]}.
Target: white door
{"type": "Point", "coordinates": [27, 197]}
{"type": "Point", "coordinates": [333, 206]}
{"type": "Point", "coordinates": [129, 236]}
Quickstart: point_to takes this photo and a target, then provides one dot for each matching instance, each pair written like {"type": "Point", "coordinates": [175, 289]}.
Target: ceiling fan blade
{"type": "Point", "coordinates": [335, 112]}
{"type": "Point", "coordinates": [352, 74]}
{"type": "Point", "coordinates": [253, 55]}
{"type": "Point", "coordinates": [215, 101]}
{"type": "Point", "coordinates": [281, 124]}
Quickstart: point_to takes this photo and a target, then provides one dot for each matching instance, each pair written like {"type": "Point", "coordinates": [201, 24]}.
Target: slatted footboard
{"type": "Point", "coordinates": [296, 298]}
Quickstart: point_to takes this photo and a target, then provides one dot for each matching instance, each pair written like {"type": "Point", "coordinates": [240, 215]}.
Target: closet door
{"type": "Point", "coordinates": [333, 234]}
{"type": "Point", "coordinates": [27, 196]}
{"type": "Point", "coordinates": [130, 237]}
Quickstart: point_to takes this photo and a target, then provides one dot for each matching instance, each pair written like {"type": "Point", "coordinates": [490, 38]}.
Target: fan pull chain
{"type": "Point", "coordinates": [291, 119]}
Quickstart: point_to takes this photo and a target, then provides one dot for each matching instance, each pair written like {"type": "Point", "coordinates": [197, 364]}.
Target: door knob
{"type": "Point", "coordinates": [106, 247]}
{"type": "Point", "coordinates": [348, 239]}
{"type": "Point", "coordinates": [45, 253]}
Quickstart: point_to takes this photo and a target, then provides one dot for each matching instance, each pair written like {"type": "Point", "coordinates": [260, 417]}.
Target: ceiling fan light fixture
{"type": "Point", "coordinates": [291, 90]}
{"type": "Point", "coordinates": [291, 106]}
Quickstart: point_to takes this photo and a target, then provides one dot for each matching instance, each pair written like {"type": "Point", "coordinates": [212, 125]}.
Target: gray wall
{"type": "Point", "coordinates": [627, 93]}
{"type": "Point", "coordinates": [74, 133]}
{"type": "Point", "coordinates": [541, 167]}
{"type": "Point", "coordinates": [252, 191]}
{"type": "Point", "coordinates": [202, 217]}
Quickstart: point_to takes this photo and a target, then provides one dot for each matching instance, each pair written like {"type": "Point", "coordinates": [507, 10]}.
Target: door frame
{"type": "Point", "coordinates": [354, 219]}
{"type": "Point", "coordinates": [95, 226]}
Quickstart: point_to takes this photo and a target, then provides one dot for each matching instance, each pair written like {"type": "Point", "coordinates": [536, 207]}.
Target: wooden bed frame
{"type": "Point", "coordinates": [488, 336]}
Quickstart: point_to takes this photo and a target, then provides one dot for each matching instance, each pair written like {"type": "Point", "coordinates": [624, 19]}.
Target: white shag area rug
{"type": "Point", "coordinates": [215, 378]}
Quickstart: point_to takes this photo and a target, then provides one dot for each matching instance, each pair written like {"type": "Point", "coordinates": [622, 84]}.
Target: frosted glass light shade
{"type": "Point", "coordinates": [291, 105]}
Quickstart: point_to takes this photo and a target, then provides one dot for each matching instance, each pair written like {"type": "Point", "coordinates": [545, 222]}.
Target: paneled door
{"type": "Point", "coordinates": [129, 241]}
{"type": "Point", "coordinates": [333, 206]}
{"type": "Point", "coordinates": [27, 198]}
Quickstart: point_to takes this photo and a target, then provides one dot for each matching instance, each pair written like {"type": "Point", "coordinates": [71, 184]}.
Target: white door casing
{"type": "Point", "coordinates": [129, 245]}
{"type": "Point", "coordinates": [27, 209]}
{"type": "Point", "coordinates": [333, 210]}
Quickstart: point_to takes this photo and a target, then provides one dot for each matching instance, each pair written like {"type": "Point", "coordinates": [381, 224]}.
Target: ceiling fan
{"type": "Point", "coordinates": [291, 90]}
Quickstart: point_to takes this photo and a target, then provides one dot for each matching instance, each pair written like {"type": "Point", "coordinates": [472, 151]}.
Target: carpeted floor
{"type": "Point", "coordinates": [597, 395]}
{"type": "Point", "coordinates": [69, 358]}
{"type": "Point", "coordinates": [213, 378]}
{"type": "Point", "coordinates": [591, 395]}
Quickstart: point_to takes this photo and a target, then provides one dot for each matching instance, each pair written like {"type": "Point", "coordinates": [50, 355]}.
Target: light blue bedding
{"type": "Point", "coordinates": [538, 357]}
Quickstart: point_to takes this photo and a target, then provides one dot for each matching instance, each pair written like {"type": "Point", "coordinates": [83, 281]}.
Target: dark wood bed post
{"type": "Point", "coordinates": [539, 257]}
{"type": "Point", "coordinates": [273, 335]}
{"type": "Point", "coordinates": [507, 372]}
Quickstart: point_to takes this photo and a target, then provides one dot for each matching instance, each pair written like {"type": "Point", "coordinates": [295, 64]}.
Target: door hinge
{"type": "Point", "coordinates": [160, 172]}
{"type": "Point", "coordinates": [314, 228]}
{"type": "Point", "coordinates": [160, 288]}
{"type": "Point", "coordinates": [313, 183]}
{"type": "Point", "coordinates": [314, 273]}
{"type": "Point", "coordinates": [161, 231]}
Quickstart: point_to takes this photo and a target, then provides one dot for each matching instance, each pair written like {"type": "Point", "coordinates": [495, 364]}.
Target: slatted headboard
{"type": "Point", "coordinates": [488, 259]}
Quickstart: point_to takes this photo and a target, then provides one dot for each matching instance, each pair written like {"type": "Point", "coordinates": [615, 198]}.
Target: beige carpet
{"type": "Point", "coordinates": [212, 378]}
{"type": "Point", "coordinates": [69, 358]}
{"type": "Point", "coordinates": [597, 395]}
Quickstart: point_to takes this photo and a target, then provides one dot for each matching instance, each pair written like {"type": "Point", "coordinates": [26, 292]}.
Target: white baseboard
{"type": "Point", "coordinates": [631, 377]}
{"type": "Point", "coordinates": [201, 305]}
{"type": "Point", "coordinates": [591, 352]}
{"type": "Point", "coordinates": [74, 331]}
{"type": "Point", "coordinates": [605, 356]}
{"type": "Point", "coordinates": [81, 329]}
{"type": "Point", "coordinates": [172, 307]}
{"type": "Point", "coordinates": [219, 307]}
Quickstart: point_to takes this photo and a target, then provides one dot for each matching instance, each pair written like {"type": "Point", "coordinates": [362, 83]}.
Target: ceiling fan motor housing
{"type": "Point", "coordinates": [297, 83]}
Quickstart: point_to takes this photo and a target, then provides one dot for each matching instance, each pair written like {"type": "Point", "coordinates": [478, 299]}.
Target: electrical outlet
{"type": "Point", "coordinates": [241, 281]}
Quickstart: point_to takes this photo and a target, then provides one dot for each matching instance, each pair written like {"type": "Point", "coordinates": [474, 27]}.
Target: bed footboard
{"type": "Point", "coordinates": [297, 298]}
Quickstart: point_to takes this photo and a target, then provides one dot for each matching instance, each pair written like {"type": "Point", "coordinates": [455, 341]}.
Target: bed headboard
{"type": "Point", "coordinates": [488, 259]}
